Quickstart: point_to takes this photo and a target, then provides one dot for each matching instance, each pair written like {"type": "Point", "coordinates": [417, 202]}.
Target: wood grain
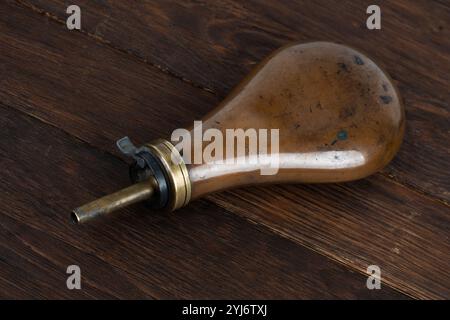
{"type": "Point", "coordinates": [84, 86]}
{"type": "Point", "coordinates": [359, 223]}
{"type": "Point", "coordinates": [139, 254]}
{"type": "Point", "coordinates": [212, 45]}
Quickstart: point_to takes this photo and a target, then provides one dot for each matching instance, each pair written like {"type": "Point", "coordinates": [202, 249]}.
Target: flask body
{"type": "Point", "coordinates": [339, 118]}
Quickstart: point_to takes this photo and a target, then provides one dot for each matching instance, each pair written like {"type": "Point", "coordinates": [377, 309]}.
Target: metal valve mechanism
{"type": "Point", "coordinates": [159, 175]}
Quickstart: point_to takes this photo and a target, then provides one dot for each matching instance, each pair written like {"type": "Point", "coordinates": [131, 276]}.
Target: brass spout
{"type": "Point", "coordinates": [107, 204]}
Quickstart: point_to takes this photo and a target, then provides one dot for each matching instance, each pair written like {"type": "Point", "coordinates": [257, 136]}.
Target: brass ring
{"type": "Point", "coordinates": [180, 184]}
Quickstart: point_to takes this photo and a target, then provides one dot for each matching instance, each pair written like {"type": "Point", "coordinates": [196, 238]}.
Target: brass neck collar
{"type": "Point", "coordinates": [179, 184]}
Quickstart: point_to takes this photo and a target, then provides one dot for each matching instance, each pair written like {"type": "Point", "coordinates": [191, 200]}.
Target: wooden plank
{"type": "Point", "coordinates": [359, 224]}
{"type": "Point", "coordinates": [214, 44]}
{"type": "Point", "coordinates": [72, 65]}
{"type": "Point", "coordinates": [31, 88]}
{"type": "Point", "coordinates": [35, 262]}
{"type": "Point", "coordinates": [141, 254]}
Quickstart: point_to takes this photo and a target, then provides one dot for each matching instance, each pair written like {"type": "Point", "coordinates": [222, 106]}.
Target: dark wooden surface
{"type": "Point", "coordinates": [143, 68]}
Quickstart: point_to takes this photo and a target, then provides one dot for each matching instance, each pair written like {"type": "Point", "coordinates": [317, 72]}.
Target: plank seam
{"type": "Point", "coordinates": [332, 257]}
{"type": "Point", "coordinates": [107, 43]}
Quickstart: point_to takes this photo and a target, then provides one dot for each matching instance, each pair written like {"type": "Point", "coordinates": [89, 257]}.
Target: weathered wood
{"type": "Point", "coordinates": [116, 94]}
{"type": "Point", "coordinates": [35, 262]}
{"type": "Point", "coordinates": [214, 44]}
{"type": "Point", "coordinates": [141, 254]}
{"type": "Point", "coordinates": [359, 224]}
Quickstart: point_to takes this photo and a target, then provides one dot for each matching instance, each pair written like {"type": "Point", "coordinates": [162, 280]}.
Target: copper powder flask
{"type": "Point", "coordinates": [339, 115]}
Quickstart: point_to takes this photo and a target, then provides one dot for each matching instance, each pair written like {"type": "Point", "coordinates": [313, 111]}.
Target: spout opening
{"type": "Point", "coordinates": [74, 218]}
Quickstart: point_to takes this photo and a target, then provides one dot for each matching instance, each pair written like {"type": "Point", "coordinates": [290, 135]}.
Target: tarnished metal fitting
{"type": "Point", "coordinates": [177, 173]}
{"type": "Point", "coordinates": [159, 175]}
